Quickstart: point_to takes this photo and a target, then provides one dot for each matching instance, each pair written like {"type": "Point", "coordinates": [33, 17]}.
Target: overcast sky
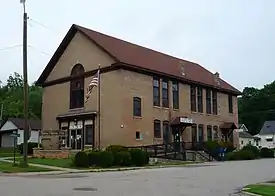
{"type": "Point", "coordinates": [235, 38]}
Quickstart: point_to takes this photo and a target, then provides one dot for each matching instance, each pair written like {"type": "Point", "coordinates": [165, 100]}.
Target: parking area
{"type": "Point", "coordinates": [209, 179]}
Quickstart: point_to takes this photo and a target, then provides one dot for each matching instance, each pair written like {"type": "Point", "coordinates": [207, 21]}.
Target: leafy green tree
{"type": "Point", "coordinates": [257, 106]}
{"type": "Point", "coordinates": [12, 96]}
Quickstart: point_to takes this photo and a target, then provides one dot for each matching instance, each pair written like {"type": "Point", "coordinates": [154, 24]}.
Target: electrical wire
{"type": "Point", "coordinates": [10, 47]}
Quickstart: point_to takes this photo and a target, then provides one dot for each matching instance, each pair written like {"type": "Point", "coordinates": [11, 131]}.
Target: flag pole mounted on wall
{"type": "Point", "coordinates": [95, 82]}
{"type": "Point", "coordinates": [98, 105]}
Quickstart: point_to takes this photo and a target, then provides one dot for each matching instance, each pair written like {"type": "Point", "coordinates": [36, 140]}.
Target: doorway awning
{"type": "Point", "coordinates": [228, 125]}
{"type": "Point", "coordinates": [76, 114]}
{"type": "Point", "coordinates": [182, 120]}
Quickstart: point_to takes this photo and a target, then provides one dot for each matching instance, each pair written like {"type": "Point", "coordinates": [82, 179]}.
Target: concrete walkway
{"type": "Point", "coordinates": [56, 169]}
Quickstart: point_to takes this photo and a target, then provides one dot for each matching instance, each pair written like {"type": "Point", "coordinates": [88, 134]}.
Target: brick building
{"type": "Point", "coordinates": [143, 93]}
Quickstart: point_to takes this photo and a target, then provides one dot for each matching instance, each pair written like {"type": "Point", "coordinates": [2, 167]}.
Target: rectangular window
{"type": "Point", "coordinates": [89, 134]}
{"type": "Point", "coordinates": [157, 129]}
{"type": "Point", "coordinates": [137, 106]}
{"type": "Point", "coordinates": [166, 135]}
{"type": "Point", "coordinates": [216, 133]}
{"type": "Point", "coordinates": [137, 135]}
{"type": "Point", "coordinates": [200, 130]}
{"type": "Point", "coordinates": [200, 100]}
{"type": "Point", "coordinates": [193, 98]}
{"type": "Point", "coordinates": [214, 102]}
{"type": "Point", "coordinates": [209, 133]}
{"type": "Point", "coordinates": [208, 101]}
{"type": "Point", "coordinates": [156, 92]}
{"type": "Point", "coordinates": [175, 89]}
{"type": "Point", "coordinates": [165, 94]}
{"type": "Point", "coordinates": [230, 104]}
{"type": "Point", "coordinates": [194, 134]}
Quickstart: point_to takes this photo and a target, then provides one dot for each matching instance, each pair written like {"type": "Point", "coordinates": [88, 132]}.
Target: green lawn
{"type": "Point", "coordinates": [264, 190]}
{"type": "Point", "coordinates": [9, 168]}
{"type": "Point", "coordinates": [8, 152]}
{"type": "Point", "coordinates": [66, 163]}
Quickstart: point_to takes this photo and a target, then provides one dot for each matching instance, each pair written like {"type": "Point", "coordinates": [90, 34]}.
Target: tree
{"type": "Point", "coordinates": [12, 96]}
{"type": "Point", "coordinates": [257, 106]}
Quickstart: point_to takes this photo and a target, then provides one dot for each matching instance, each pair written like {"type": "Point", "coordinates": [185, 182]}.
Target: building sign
{"type": "Point", "coordinates": [186, 120]}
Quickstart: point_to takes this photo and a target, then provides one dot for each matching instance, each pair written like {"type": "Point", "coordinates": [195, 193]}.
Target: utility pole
{"type": "Point", "coordinates": [1, 113]}
{"type": "Point", "coordinates": [25, 76]}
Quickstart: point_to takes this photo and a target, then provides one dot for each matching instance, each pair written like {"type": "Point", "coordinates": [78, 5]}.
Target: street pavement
{"type": "Point", "coordinates": [208, 179]}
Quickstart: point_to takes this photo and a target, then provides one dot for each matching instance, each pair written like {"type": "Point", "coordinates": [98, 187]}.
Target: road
{"type": "Point", "coordinates": [210, 179]}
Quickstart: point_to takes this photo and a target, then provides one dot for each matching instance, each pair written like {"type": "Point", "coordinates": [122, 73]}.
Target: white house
{"type": "Point", "coordinates": [16, 125]}
{"type": "Point", "coordinates": [267, 134]}
{"type": "Point", "coordinates": [246, 138]}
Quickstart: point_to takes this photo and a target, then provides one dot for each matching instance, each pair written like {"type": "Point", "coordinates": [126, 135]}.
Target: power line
{"type": "Point", "coordinates": [40, 51]}
{"type": "Point", "coordinates": [10, 47]}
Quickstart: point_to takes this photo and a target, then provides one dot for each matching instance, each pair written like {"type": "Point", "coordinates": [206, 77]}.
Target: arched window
{"type": "Point", "coordinates": [77, 87]}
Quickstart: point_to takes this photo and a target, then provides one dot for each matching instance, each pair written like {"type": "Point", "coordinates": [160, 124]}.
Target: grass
{"type": "Point", "coordinates": [8, 152]}
{"type": "Point", "coordinates": [10, 168]}
{"type": "Point", "coordinates": [65, 163]}
{"type": "Point", "coordinates": [264, 190]}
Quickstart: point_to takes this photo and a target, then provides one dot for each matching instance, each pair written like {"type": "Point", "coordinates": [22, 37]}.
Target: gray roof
{"type": "Point", "coordinates": [245, 134]}
{"type": "Point", "coordinates": [268, 128]}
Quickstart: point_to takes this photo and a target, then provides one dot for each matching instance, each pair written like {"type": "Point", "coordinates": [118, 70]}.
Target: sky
{"type": "Point", "coordinates": [235, 38]}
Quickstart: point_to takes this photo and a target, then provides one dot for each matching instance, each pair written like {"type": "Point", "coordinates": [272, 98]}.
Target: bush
{"type": "Point", "coordinates": [139, 157]}
{"type": "Point", "coordinates": [267, 153]}
{"type": "Point", "coordinates": [93, 157]}
{"type": "Point", "coordinates": [124, 158]}
{"type": "Point", "coordinates": [104, 159]}
{"type": "Point", "coordinates": [240, 155]}
{"type": "Point", "coordinates": [115, 149]}
{"type": "Point", "coordinates": [253, 149]}
{"type": "Point", "coordinates": [31, 145]}
{"type": "Point", "coordinates": [81, 159]}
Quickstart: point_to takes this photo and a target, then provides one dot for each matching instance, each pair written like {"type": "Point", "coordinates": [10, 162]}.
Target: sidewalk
{"type": "Point", "coordinates": [67, 170]}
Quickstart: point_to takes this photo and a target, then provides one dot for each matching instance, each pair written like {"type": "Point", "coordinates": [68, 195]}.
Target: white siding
{"type": "Point", "coordinates": [33, 138]}
{"type": "Point", "coordinates": [8, 126]}
{"type": "Point", "coordinates": [246, 141]}
{"type": "Point", "coordinates": [268, 144]}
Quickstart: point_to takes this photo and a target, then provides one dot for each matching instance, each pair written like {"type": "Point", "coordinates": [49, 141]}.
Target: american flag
{"type": "Point", "coordinates": [94, 82]}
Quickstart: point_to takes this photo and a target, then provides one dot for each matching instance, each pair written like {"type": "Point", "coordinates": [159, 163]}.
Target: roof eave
{"type": "Point", "coordinates": [56, 56]}
{"type": "Point", "coordinates": [126, 65]}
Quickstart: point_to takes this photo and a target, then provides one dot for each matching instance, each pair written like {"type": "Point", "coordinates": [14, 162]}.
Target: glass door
{"type": "Point", "coordinates": [76, 139]}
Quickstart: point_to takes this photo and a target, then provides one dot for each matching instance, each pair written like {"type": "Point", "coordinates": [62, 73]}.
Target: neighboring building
{"type": "Point", "coordinates": [16, 125]}
{"type": "Point", "coordinates": [246, 138]}
{"type": "Point", "coordinates": [142, 93]}
{"type": "Point", "coordinates": [266, 134]}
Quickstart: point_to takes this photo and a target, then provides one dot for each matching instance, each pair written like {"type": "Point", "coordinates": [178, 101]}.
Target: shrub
{"type": "Point", "coordinates": [267, 153]}
{"type": "Point", "coordinates": [93, 157]}
{"type": "Point", "coordinates": [123, 158]}
{"type": "Point", "coordinates": [139, 157]}
{"type": "Point", "coordinates": [81, 159]}
{"type": "Point", "coordinates": [253, 149]}
{"type": "Point", "coordinates": [104, 159]}
{"type": "Point", "coordinates": [115, 149]}
{"type": "Point", "coordinates": [31, 145]}
{"type": "Point", "coordinates": [240, 155]}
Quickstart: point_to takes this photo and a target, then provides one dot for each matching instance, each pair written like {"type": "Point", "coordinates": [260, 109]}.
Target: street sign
{"type": "Point", "coordinates": [15, 135]}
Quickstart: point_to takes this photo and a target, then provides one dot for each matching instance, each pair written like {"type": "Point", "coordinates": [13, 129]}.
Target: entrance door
{"type": "Point", "coordinates": [194, 136]}
{"type": "Point", "coordinates": [76, 139]}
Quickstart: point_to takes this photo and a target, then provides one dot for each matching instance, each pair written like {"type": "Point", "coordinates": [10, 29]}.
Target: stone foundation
{"type": "Point", "coordinates": [53, 154]}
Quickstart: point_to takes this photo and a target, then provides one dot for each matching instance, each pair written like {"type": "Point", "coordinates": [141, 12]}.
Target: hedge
{"type": "Point", "coordinates": [112, 156]}
{"type": "Point", "coordinates": [267, 153]}
{"type": "Point", "coordinates": [31, 145]}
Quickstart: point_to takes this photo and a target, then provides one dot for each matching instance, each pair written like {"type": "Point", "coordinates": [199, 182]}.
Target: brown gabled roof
{"type": "Point", "coordinates": [19, 123]}
{"type": "Point", "coordinates": [140, 58]}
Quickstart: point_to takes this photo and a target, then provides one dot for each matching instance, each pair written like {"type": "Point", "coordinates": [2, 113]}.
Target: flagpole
{"type": "Point", "coordinates": [98, 102]}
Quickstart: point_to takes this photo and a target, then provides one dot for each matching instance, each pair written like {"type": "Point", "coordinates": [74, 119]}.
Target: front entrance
{"type": "Point", "coordinates": [76, 139]}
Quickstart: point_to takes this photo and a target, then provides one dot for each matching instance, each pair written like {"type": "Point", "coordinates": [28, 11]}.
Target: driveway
{"type": "Point", "coordinates": [210, 179]}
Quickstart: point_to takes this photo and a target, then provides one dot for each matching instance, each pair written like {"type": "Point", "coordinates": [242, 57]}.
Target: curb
{"type": "Point", "coordinates": [90, 170]}
{"type": "Point", "coordinates": [245, 193]}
